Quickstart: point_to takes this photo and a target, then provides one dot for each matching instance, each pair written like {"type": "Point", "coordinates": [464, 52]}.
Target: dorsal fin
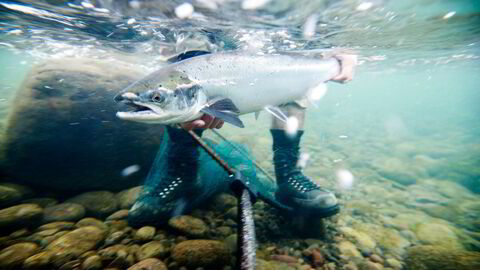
{"type": "Point", "coordinates": [186, 55]}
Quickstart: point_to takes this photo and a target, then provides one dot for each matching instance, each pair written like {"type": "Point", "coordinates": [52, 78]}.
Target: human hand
{"type": "Point", "coordinates": [347, 67]}
{"type": "Point", "coordinates": [206, 121]}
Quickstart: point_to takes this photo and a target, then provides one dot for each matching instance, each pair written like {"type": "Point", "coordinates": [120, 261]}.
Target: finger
{"type": "Point", "coordinates": [215, 122]}
{"type": "Point", "coordinates": [220, 125]}
{"type": "Point", "coordinates": [209, 122]}
{"type": "Point", "coordinates": [199, 123]}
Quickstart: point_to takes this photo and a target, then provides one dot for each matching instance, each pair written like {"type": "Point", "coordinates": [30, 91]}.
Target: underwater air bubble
{"type": "Point", "coordinates": [303, 160]}
{"type": "Point", "coordinates": [364, 6]}
{"type": "Point", "coordinates": [448, 15]}
{"type": "Point", "coordinates": [309, 26]}
{"type": "Point", "coordinates": [130, 170]}
{"type": "Point", "coordinates": [318, 92]}
{"type": "Point", "coordinates": [184, 11]}
{"type": "Point", "coordinates": [253, 4]}
{"type": "Point", "coordinates": [292, 126]}
{"type": "Point", "coordinates": [344, 178]}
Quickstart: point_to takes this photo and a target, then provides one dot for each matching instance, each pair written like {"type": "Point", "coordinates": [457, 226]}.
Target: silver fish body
{"type": "Point", "coordinates": [251, 82]}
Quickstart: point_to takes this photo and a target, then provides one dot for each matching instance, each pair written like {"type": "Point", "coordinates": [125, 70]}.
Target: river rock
{"type": "Point", "coordinates": [64, 212]}
{"type": "Point", "coordinates": [60, 225]}
{"type": "Point", "coordinates": [127, 198]}
{"type": "Point", "coordinates": [189, 225]}
{"type": "Point", "coordinates": [74, 243]}
{"type": "Point", "coordinates": [38, 261]}
{"type": "Point", "coordinates": [92, 263]}
{"type": "Point", "coordinates": [42, 201]}
{"type": "Point", "coordinates": [363, 241]}
{"type": "Point", "coordinates": [223, 201]}
{"type": "Point", "coordinates": [437, 234]}
{"type": "Point", "coordinates": [348, 249]}
{"type": "Point", "coordinates": [436, 257]}
{"type": "Point", "coordinates": [92, 222]}
{"type": "Point", "coordinates": [145, 233]}
{"type": "Point", "coordinates": [149, 264]}
{"type": "Point", "coordinates": [13, 256]}
{"type": "Point", "coordinates": [64, 110]}
{"type": "Point", "coordinates": [120, 214]}
{"type": "Point", "coordinates": [98, 204]}
{"type": "Point", "coordinates": [113, 252]}
{"type": "Point", "coordinates": [201, 253]}
{"type": "Point", "coordinates": [11, 193]}
{"type": "Point", "coordinates": [154, 249]}
{"type": "Point", "coordinates": [367, 265]}
{"type": "Point", "coordinates": [20, 215]}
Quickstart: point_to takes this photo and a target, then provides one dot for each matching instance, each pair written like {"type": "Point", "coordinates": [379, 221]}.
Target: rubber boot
{"type": "Point", "coordinates": [174, 191]}
{"type": "Point", "coordinates": [294, 188]}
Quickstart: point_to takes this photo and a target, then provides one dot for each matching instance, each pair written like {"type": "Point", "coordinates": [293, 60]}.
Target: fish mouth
{"type": "Point", "coordinates": [138, 110]}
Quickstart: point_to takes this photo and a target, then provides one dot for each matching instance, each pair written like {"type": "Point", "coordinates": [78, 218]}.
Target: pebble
{"type": "Point", "coordinates": [98, 204]}
{"type": "Point", "coordinates": [92, 263]}
{"type": "Point", "coordinates": [42, 201]}
{"type": "Point", "coordinates": [395, 264]}
{"type": "Point", "coordinates": [317, 258]}
{"type": "Point", "coordinates": [120, 214]}
{"type": "Point", "coordinates": [145, 233]}
{"type": "Point", "coordinates": [113, 252]}
{"type": "Point", "coordinates": [11, 193]}
{"type": "Point", "coordinates": [210, 254]}
{"type": "Point", "coordinates": [368, 265]}
{"type": "Point", "coordinates": [74, 243]}
{"type": "Point", "coordinates": [223, 202]}
{"type": "Point", "coordinates": [151, 250]}
{"type": "Point", "coordinates": [13, 256]}
{"type": "Point", "coordinates": [232, 213]}
{"type": "Point", "coordinates": [115, 238]}
{"type": "Point", "coordinates": [231, 242]}
{"type": "Point", "coordinates": [92, 222]}
{"type": "Point", "coordinates": [20, 215]}
{"type": "Point", "coordinates": [38, 261]}
{"type": "Point", "coordinates": [149, 264]}
{"type": "Point", "coordinates": [189, 225]}
{"type": "Point", "coordinates": [348, 249]}
{"type": "Point", "coordinates": [284, 258]}
{"type": "Point", "coordinates": [60, 225]}
{"type": "Point", "coordinates": [376, 258]}
{"type": "Point", "coordinates": [63, 212]}
{"type": "Point", "coordinates": [127, 198]}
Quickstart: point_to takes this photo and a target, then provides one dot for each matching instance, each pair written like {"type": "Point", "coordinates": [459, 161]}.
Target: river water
{"type": "Point", "coordinates": [399, 145]}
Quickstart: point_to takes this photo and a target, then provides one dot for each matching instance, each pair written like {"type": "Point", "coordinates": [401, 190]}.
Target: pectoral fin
{"type": "Point", "coordinates": [224, 109]}
{"type": "Point", "coordinates": [257, 113]}
{"type": "Point", "coordinates": [277, 112]}
{"type": "Point", "coordinates": [226, 116]}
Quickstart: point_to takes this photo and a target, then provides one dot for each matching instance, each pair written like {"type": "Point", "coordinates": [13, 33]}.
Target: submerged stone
{"type": "Point", "coordinates": [98, 204]}
{"type": "Point", "coordinates": [20, 215]}
{"type": "Point", "coordinates": [126, 198]}
{"type": "Point", "coordinates": [436, 257]}
{"type": "Point", "coordinates": [12, 257]}
{"type": "Point", "coordinates": [189, 225]}
{"type": "Point", "coordinates": [150, 264]}
{"type": "Point", "coordinates": [64, 110]}
{"type": "Point", "coordinates": [210, 254]}
{"type": "Point", "coordinates": [438, 235]}
{"type": "Point", "coordinates": [74, 243]}
{"type": "Point", "coordinates": [64, 212]}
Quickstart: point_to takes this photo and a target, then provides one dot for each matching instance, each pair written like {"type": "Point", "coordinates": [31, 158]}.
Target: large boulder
{"type": "Point", "coordinates": [62, 132]}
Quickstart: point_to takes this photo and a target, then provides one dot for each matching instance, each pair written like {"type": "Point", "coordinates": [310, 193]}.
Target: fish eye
{"type": "Point", "coordinates": [157, 97]}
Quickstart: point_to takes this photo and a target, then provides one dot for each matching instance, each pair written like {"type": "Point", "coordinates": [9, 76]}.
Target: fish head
{"type": "Point", "coordinates": [163, 97]}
